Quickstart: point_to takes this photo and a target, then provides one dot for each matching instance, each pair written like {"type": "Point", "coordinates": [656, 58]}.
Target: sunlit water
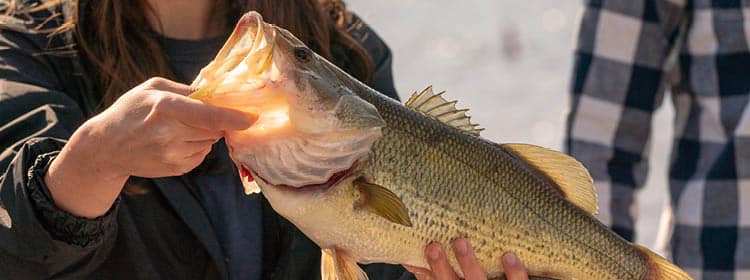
{"type": "Point", "coordinates": [510, 63]}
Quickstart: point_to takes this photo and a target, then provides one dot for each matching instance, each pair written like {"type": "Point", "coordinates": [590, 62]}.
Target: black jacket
{"type": "Point", "coordinates": [45, 94]}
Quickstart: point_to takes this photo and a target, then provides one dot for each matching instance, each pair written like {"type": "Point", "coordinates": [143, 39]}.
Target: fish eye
{"type": "Point", "coordinates": [302, 54]}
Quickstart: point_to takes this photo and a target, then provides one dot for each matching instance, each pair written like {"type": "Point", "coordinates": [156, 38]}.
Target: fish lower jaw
{"type": "Point", "coordinates": [319, 187]}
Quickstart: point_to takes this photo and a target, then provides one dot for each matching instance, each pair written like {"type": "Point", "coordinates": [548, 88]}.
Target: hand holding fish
{"type": "Point", "coordinates": [153, 130]}
{"type": "Point", "coordinates": [440, 268]}
{"type": "Point", "coordinates": [157, 131]}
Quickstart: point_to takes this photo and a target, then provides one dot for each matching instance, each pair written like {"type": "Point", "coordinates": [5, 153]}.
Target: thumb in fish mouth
{"type": "Point", "coordinates": [355, 113]}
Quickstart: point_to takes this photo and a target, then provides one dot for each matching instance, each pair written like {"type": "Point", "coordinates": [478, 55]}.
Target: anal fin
{"type": "Point", "coordinates": [337, 265]}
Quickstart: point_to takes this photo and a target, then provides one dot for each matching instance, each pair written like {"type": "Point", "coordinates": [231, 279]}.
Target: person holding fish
{"type": "Point", "coordinates": [112, 172]}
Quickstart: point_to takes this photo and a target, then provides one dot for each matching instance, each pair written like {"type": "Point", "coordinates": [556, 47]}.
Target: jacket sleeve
{"type": "Point", "coordinates": [38, 240]}
{"type": "Point", "coordinates": [620, 73]}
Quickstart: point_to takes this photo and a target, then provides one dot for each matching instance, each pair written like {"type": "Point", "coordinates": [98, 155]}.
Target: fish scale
{"type": "Point", "coordinates": [436, 143]}
{"type": "Point", "coordinates": [412, 174]}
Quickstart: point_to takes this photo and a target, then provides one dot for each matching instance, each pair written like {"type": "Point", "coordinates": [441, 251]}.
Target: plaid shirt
{"type": "Point", "coordinates": [629, 53]}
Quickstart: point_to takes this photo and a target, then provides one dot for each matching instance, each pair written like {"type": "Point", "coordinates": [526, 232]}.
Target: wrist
{"type": "Point", "coordinates": [80, 179]}
{"type": "Point", "coordinates": [92, 148]}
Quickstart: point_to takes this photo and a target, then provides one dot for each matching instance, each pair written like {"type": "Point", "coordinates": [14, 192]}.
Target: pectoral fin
{"type": "Point", "coordinates": [336, 265]}
{"type": "Point", "coordinates": [382, 201]}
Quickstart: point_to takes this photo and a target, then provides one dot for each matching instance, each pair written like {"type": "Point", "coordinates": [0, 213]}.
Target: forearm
{"type": "Point", "coordinates": [37, 239]}
{"type": "Point", "coordinates": [80, 179]}
{"type": "Point", "coordinates": [40, 240]}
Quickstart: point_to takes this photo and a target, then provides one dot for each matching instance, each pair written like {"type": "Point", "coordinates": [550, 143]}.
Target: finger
{"type": "Point", "coordinates": [468, 260]}
{"type": "Point", "coordinates": [513, 268]}
{"type": "Point", "coordinates": [441, 268]}
{"type": "Point", "coordinates": [419, 273]}
{"type": "Point", "coordinates": [179, 153]}
{"type": "Point", "coordinates": [192, 161]}
{"type": "Point", "coordinates": [194, 134]}
{"type": "Point", "coordinates": [163, 84]}
{"type": "Point", "coordinates": [196, 148]}
{"type": "Point", "coordinates": [201, 115]}
{"type": "Point", "coordinates": [186, 164]}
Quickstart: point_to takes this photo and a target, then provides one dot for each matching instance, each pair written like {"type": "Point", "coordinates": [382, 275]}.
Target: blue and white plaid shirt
{"type": "Point", "coordinates": [629, 53]}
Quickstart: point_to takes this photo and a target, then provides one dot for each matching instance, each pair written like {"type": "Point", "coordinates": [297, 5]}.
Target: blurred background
{"type": "Point", "coordinates": [510, 63]}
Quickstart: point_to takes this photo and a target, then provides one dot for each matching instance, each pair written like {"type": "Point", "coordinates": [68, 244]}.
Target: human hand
{"type": "Point", "coordinates": [440, 268]}
{"type": "Point", "coordinates": [153, 130]}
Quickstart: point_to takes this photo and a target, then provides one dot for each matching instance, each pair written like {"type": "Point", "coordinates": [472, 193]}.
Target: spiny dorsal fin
{"type": "Point", "coordinates": [382, 202]}
{"type": "Point", "coordinates": [569, 174]}
{"type": "Point", "coordinates": [336, 265]}
{"type": "Point", "coordinates": [437, 107]}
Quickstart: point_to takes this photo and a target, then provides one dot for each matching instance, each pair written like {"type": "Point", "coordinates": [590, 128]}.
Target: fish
{"type": "Point", "coordinates": [371, 180]}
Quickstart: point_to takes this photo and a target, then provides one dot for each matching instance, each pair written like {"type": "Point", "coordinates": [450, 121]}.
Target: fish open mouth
{"type": "Point", "coordinates": [240, 64]}
{"type": "Point", "coordinates": [250, 175]}
{"type": "Point", "coordinates": [309, 132]}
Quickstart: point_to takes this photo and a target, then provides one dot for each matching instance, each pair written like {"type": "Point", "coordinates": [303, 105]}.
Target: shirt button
{"type": "Point", "coordinates": [226, 260]}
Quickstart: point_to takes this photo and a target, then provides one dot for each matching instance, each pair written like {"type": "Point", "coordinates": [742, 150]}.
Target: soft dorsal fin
{"type": "Point", "coordinates": [573, 179]}
{"type": "Point", "coordinates": [437, 107]}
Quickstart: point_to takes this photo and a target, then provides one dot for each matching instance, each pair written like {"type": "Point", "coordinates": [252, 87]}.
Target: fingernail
{"type": "Point", "coordinates": [246, 120]}
{"type": "Point", "coordinates": [433, 252]}
{"type": "Point", "coordinates": [510, 259]}
{"type": "Point", "coordinates": [250, 117]}
{"type": "Point", "coordinates": [461, 246]}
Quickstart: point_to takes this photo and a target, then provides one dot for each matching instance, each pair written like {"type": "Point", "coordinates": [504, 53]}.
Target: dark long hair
{"type": "Point", "coordinates": [123, 49]}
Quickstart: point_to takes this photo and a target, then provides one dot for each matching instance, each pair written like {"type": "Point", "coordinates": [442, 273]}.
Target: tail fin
{"type": "Point", "coordinates": [662, 269]}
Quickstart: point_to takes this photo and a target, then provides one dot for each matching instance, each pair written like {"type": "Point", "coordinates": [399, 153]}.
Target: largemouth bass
{"type": "Point", "coordinates": [373, 181]}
